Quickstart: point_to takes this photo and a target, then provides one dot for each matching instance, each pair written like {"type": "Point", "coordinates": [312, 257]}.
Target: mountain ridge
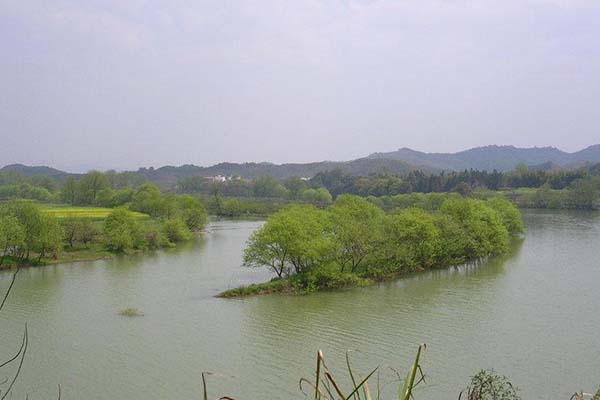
{"type": "Point", "coordinates": [401, 161]}
{"type": "Point", "coordinates": [498, 157]}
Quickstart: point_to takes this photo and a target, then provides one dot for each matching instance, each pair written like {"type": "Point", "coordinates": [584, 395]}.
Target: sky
{"type": "Point", "coordinates": [123, 84]}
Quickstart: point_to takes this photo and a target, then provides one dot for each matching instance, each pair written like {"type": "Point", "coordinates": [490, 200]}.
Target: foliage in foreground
{"type": "Point", "coordinates": [485, 385]}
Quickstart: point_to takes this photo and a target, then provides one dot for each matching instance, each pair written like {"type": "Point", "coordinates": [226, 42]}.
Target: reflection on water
{"type": "Point", "coordinates": [531, 315]}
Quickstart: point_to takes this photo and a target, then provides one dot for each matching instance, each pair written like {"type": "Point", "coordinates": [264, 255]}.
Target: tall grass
{"type": "Point", "coordinates": [326, 387]}
{"type": "Point", "coordinates": [485, 385]}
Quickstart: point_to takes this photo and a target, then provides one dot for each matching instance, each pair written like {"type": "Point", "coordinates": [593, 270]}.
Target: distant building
{"type": "Point", "coordinates": [217, 178]}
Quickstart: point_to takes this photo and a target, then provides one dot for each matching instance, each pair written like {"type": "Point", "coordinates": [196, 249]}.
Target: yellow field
{"type": "Point", "coordinates": [62, 212]}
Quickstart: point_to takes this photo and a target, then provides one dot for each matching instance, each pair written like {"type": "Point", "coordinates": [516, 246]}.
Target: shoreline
{"type": "Point", "coordinates": [285, 286]}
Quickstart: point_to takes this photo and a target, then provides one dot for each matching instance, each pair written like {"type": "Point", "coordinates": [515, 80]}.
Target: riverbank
{"type": "Point", "coordinates": [325, 281]}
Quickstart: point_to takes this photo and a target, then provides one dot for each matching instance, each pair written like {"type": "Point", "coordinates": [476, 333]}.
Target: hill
{"type": "Point", "coordinates": [167, 175]}
{"type": "Point", "coordinates": [37, 170]}
{"type": "Point", "coordinates": [501, 158]}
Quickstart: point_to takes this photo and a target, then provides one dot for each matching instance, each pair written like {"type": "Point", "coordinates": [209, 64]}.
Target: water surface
{"type": "Point", "coordinates": [531, 315]}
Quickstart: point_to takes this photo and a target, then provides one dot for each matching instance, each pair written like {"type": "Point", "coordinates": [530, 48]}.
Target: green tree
{"type": "Point", "coordinates": [87, 232]}
{"type": "Point", "coordinates": [295, 186]}
{"type": "Point", "coordinates": [68, 193]}
{"type": "Point", "coordinates": [319, 197]}
{"type": "Point", "coordinates": [70, 227]}
{"type": "Point", "coordinates": [12, 236]}
{"type": "Point", "coordinates": [176, 230]}
{"type": "Point", "coordinates": [49, 237]}
{"type": "Point", "coordinates": [149, 200]}
{"type": "Point", "coordinates": [121, 230]}
{"type": "Point", "coordinates": [90, 185]}
{"type": "Point", "coordinates": [192, 212]}
{"type": "Point", "coordinates": [483, 227]}
{"type": "Point", "coordinates": [104, 197]}
{"type": "Point", "coordinates": [511, 217]}
{"type": "Point", "coordinates": [269, 187]}
{"type": "Point", "coordinates": [356, 225]}
{"type": "Point", "coordinates": [232, 208]}
{"type": "Point", "coordinates": [291, 239]}
{"type": "Point", "coordinates": [412, 240]}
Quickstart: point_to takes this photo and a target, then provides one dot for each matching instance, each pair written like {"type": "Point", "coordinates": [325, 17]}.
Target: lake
{"type": "Point", "coordinates": [532, 315]}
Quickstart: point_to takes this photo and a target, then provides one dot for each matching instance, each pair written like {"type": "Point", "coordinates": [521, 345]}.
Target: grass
{"type": "Point", "coordinates": [131, 312]}
{"type": "Point", "coordinates": [324, 386]}
{"type": "Point", "coordinates": [271, 287]}
{"type": "Point", "coordinates": [61, 211]}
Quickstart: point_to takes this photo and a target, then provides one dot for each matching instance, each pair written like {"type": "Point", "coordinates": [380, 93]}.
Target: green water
{"type": "Point", "coordinates": [532, 315]}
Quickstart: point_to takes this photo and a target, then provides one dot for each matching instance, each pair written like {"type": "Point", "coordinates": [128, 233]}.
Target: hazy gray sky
{"type": "Point", "coordinates": [122, 84]}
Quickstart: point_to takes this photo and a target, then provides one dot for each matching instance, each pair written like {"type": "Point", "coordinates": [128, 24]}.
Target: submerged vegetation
{"type": "Point", "coordinates": [355, 243]}
{"type": "Point", "coordinates": [131, 312]}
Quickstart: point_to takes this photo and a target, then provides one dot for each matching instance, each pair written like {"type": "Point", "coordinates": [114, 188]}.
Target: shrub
{"type": "Point", "coordinates": [121, 230]}
{"type": "Point", "coordinates": [486, 385]}
{"type": "Point", "coordinates": [176, 230]}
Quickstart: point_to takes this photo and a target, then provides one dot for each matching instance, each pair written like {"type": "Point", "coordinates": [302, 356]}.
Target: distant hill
{"type": "Point", "coordinates": [400, 162]}
{"type": "Point", "coordinates": [38, 170]}
{"type": "Point", "coordinates": [362, 167]}
{"type": "Point", "coordinates": [501, 158]}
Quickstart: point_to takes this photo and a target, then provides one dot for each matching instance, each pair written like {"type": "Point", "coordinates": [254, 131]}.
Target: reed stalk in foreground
{"type": "Point", "coordinates": [485, 385]}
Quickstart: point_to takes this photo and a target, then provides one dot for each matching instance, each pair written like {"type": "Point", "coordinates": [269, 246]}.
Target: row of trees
{"type": "Point", "coordinates": [356, 236]}
{"type": "Point", "coordinates": [337, 182]}
{"type": "Point", "coordinates": [323, 187]}
{"type": "Point", "coordinates": [93, 188]}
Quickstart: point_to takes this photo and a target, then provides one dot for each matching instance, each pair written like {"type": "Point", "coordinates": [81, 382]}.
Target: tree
{"type": "Point", "coordinates": [68, 193]}
{"type": "Point", "coordinates": [121, 230]}
{"type": "Point", "coordinates": [319, 197]}
{"type": "Point", "coordinates": [269, 187]}
{"type": "Point", "coordinates": [29, 217]}
{"type": "Point", "coordinates": [104, 198]}
{"type": "Point", "coordinates": [412, 240]}
{"type": "Point", "coordinates": [356, 226]}
{"type": "Point", "coordinates": [149, 200]}
{"type": "Point", "coordinates": [192, 212]}
{"type": "Point", "coordinates": [176, 230]}
{"type": "Point", "coordinates": [511, 217]}
{"type": "Point", "coordinates": [87, 232]}
{"type": "Point", "coordinates": [295, 186]}
{"type": "Point", "coordinates": [232, 208]}
{"type": "Point", "coordinates": [70, 227]}
{"type": "Point", "coordinates": [12, 236]}
{"type": "Point", "coordinates": [49, 237]}
{"type": "Point", "coordinates": [291, 239]}
{"type": "Point", "coordinates": [90, 185]}
{"type": "Point", "coordinates": [484, 229]}
{"type": "Point", "coordinates": [29, 230]}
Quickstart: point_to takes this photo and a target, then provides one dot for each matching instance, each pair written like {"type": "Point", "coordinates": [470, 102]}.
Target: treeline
{"type": "Point", "coordinates": [354, 241]}
{"type": "Point", "coordinates": [336, 182]}
{"type": "Point", "coordinates": [28, 235]}
{"type": "Point", "coordinates": [321, 189]}
{"type": "Point", "coordinates": [106, 189]}
{"type": "Point", "coordinates": [262, 196]}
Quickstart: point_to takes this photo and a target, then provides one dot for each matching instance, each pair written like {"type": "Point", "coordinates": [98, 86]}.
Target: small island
{"type": "Point", "coordinates": [355, 243]}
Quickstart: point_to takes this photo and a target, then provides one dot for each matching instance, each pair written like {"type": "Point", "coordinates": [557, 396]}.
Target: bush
{"type": "Point", "coordinates": [486, 385]}
{"type": "Point", "coordinates": [176, 230]}
{"type": "Point", "coordinates": [121, 231]}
